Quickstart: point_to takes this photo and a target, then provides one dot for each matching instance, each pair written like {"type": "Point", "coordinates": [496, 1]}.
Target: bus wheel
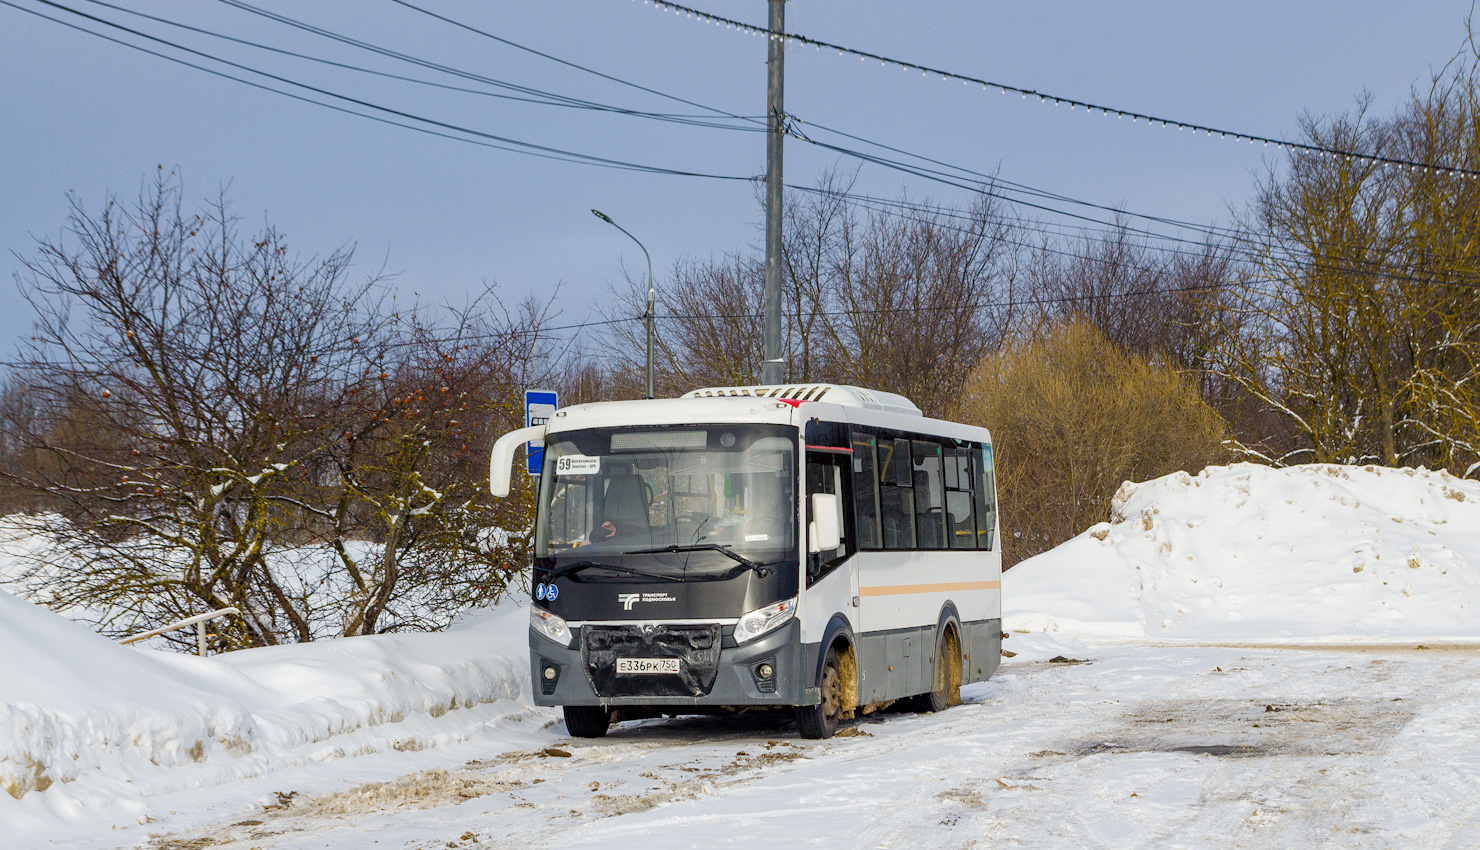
{"type": "Point", "coordinates": [945, 687]}
{"type": "Point", "coordinates": [821, 720]}
{"type": "Point", "coordinates": [587, 721]}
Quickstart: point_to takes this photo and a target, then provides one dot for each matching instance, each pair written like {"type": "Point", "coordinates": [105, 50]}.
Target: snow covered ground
{"type": "Point", "coordinates": [1117, 723]}
{"type": "Point", "coordinates": [1133, 747]}
{"type": "Point", "coordinates": [93, 733]}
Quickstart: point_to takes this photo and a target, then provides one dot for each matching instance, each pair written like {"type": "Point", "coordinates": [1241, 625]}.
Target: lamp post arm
{"type": "Point", "coordinates": [651, 298]}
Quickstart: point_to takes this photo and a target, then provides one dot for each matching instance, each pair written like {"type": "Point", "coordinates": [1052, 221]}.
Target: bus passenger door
{"type": "Point", "coordinates": [831, 585]}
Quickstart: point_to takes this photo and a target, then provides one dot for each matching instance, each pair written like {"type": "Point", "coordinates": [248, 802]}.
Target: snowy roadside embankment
{"type": "Point", "coordinates": [1316, 553]}
{"type": "Point", "coordinates": [87, 724]}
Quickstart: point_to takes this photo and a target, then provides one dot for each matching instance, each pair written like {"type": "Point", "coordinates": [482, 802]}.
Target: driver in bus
{"type": "Point", "coordinates": [601, 532]}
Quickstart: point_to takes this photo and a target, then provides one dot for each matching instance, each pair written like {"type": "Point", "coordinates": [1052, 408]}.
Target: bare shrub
{"type": "Point", "coordinates": [1072, 416]}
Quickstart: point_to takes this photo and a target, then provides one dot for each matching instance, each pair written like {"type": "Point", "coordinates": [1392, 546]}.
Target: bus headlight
{"type": "Point", "coordinates": [762, 620]}
{"type": "Point", "coordinates": [549, 625]}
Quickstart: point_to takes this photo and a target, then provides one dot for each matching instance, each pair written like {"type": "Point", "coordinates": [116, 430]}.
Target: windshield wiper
{"type": "Point", "coordinates": [760, 569]}
{"type": "Point", "coordinates": [567, 569]}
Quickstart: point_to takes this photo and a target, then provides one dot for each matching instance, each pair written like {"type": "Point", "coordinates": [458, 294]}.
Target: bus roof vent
{"type": "Point", "coordinates": [832, 393]}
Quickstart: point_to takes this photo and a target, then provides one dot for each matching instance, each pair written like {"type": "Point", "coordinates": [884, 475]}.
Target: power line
{"type": "Point", "coordinates": [898, 209]}
{"type": "Point", "coordinates": [556, 59]}
{"type": "Point", "coordinates": [924, 173]}
{"type": "Point", "coordinates": [1059, 100]}
{"type": "Point", "coordinates": [792, 131]}
{"type": "Point", "coordinates": [997, 180]}
{"type": "Point", "coordinates": [492, 140]}
{"type": "Point", "coordinates": [1356, 266]}
{"type": "Point", "coordinates": [587, 104]}
{"type": "Point", "coordinates": [536, 96]}
{"type": "Point", "coordinates": [982, 305]}
{"type": "Point", "coordinates": [569, 156]}
{"type": "Point", "coordinates": [998, 185]}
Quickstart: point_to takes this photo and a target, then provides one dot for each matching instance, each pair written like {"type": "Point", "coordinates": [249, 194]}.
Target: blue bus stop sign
{"type": "Point", "coordinates": [539, 406]}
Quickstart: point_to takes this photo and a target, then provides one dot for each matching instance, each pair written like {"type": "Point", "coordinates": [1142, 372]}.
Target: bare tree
{"type": "Point", "coordinates": [916, 301]}
{"type": "Point", "coordinates": [409, 474]}
{"type": "Point", "coordinates": [185, 408]}
{"type": "Point", "coordinates": [900, 303]}
{"type": "Point", "coordinates": [1361, 329]}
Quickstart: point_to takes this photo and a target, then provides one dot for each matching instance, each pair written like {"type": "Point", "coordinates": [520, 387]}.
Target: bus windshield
{"type": "Point", "coordinates": [687, 491]}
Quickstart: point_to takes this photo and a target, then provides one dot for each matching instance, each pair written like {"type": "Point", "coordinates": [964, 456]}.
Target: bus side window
{"type": "Point", "coordinates": [866, 492]}
{"type": "Point", "coordinates": [986, 496]}
{"type": "Point", "coordinates": [896, 495]}
{"type": "Point", "coordinates": [825, 475]}
{"type": "Point", "coordinates": [929, 480]}
{"type": "Point", "coordinates": [960, 525]}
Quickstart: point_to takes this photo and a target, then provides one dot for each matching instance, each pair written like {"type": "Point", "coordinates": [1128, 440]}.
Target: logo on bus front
{"type": "Point", "coordinates": [630, 599]}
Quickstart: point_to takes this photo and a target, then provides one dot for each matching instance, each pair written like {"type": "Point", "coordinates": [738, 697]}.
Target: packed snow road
{"type": "Point", "coordinates": [1132, 746]}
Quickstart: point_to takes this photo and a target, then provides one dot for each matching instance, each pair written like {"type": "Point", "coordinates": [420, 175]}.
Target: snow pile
{"type": "Point", "coordinates": [1317, 553]}
{"type": "Point", "coordinates": [86, 723]}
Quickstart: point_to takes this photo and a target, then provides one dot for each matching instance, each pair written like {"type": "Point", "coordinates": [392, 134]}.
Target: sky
{"type": "Point", "coordinates": [84, 116]}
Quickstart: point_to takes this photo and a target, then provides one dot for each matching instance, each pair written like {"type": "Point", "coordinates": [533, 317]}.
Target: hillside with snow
{"type": "Point", "coordinates": [1316, 553]}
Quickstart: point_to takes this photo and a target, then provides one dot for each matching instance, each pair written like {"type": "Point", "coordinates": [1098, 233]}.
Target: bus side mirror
{"type": "Point", "coordinates": [823, 533]}
{"type": "Point", "coordinates": [501, 460]}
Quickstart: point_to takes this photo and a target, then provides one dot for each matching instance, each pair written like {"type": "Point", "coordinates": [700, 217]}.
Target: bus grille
{"type": "Point", "coordinates": [695, 647]}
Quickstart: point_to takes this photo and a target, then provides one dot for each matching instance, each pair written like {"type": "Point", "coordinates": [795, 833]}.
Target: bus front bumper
{"type": "Point", "coordinates": [737, 681]}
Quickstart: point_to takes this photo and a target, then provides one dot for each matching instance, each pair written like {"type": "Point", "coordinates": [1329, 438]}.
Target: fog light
{"type": "Point", "coordinates": [549, 676]}
{"type": "Point", "coordinates": [764, 673]}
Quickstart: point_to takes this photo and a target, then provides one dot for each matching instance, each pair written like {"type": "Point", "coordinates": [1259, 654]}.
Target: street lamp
{"type": "Point", "coordinates": [652, 295]}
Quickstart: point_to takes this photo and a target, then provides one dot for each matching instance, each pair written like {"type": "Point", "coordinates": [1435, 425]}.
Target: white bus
{"type": "Point", "coordinates": [821, 548]}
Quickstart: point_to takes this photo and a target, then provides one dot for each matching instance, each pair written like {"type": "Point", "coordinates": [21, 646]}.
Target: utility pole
{"type": "Point", "coordinates": [773, 369]}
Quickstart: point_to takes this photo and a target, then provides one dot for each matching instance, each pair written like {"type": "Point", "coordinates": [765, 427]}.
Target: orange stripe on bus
{"type": "Point", "coordinates": [899, 589]}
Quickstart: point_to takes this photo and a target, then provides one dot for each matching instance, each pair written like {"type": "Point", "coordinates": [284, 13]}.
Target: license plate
{"type": "Point", "coordinates": [647, 665]}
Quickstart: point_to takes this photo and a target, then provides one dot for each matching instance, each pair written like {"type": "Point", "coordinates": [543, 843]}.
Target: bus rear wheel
{"type": "Point", "coordinates": [821, 720]}
{"type": "Point", "coordinates": [945, 687]}
{"type": "Point", "coordinates": [587, 721]}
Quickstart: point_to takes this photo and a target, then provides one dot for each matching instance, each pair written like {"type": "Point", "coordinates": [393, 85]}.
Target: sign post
{"type": "Point", "coordinates": [539, 406]}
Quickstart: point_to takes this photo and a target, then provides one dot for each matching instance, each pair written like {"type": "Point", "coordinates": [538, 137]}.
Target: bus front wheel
{"type": "Point", "coordinates": [587, 721]}
{"type": "Point", "coordinates": [821, 720]}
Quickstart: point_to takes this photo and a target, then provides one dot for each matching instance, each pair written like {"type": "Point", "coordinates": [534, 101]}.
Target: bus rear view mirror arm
{"type": "Point", "coordinates": [501, 461]}
{"type": "Point", "coordinates": [823, 532]}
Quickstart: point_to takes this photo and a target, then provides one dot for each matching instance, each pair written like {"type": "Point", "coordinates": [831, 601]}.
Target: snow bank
{"type": "Point", "coordinates": [1317, 553]}
{"type": "Point", "coordinates": [86, 723]}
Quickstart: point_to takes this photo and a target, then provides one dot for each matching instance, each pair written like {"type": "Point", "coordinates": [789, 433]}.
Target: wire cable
{"type": "Point", "coordinates": [501, 142]}
{"type": "Point", "coordinates": [790, 128]}
{"type": "Point", "coordinates": [1059, 100]}
{"type": "Point", "coordinates": [536, 96]}
{"type": "Point", "coordinates": [500, 39]}
{"type": "Point", "coordinates": [568, 156]}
